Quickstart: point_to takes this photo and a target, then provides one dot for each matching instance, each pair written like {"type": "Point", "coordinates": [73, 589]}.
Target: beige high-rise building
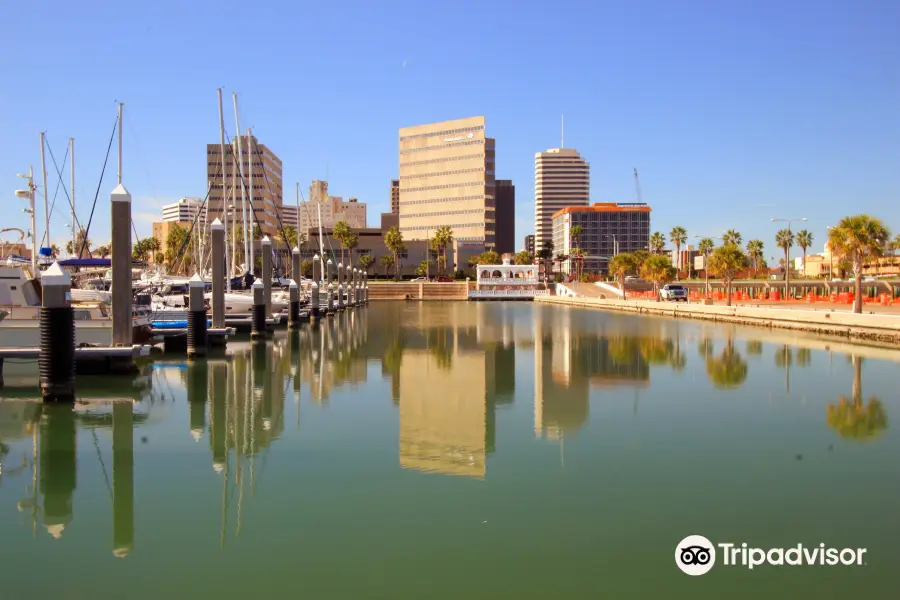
{"type": "Point", "coordinates": [562, 178]}
{"type": "Point", "coordinates": [447, 178]}
{"type": "Point", "coordinates": [267, 182]}
{"type": "Point", "coordinates": [333, 209]}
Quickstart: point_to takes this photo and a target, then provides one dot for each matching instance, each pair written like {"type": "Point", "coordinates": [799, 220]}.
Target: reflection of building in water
{"type": "Point", "coordinates": [443, 413]}
{"type": "Point", "coordinates": [567, 363]}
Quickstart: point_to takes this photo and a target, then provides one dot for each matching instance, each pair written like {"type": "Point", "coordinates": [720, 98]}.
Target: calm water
{"type": "Point", "coordinates": [461, 450]}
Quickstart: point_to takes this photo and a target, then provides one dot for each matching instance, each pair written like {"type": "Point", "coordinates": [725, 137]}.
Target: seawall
{"type": "Point", "coordinates": [870, 327]}
{"type": "Point", "coordinates": [418, 290]}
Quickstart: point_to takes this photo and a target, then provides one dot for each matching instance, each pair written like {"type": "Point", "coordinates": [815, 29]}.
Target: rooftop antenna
{"type": "Point", "coordinates": [562, 130]}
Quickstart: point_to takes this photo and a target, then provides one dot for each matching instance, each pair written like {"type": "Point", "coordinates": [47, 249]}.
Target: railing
{"type": "Point", "coordinates": [508, 280]}
{"type": "Point", "coordinates": [508, 293]}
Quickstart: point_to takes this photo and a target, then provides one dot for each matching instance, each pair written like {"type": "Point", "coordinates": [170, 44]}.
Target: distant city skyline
{"type": "Point", "coordinates": [732, 113]}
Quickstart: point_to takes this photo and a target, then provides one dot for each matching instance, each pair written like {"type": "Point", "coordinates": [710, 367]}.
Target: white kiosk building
{"type": "Point", "coordinates": [507, 282]}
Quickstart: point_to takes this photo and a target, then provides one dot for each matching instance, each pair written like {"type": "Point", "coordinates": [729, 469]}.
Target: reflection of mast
{"type": "Point", "coordinates": [123, 478]}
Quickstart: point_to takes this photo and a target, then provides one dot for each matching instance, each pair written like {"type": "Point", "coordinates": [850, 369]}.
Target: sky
{"type": "Point", "coordinates": [732, 111]}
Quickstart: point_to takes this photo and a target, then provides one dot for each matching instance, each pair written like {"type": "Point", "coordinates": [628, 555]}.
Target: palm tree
{"type": "Point", "coordinates": [387, 261]}
{"type": "Point", "coordinates": [895, 248]}
{"type": "Point", "coordinates": [658, 269]}
{"type": "Point", "coordinates": [341, 232]}
{"type": "Point", "coordinates": [678, 236]}
{"type": "Point", "coordinates": [365, 261]}
{"type": "Point", "coordinates": [546, 254]}
{"type": "Point", "coordinates": [755, 249]}
{"type": "Point", "coordinates": [657, 242]}
{"type": "Point", "coordinates": [725, 262]}
{"type": "Point", "coordinates": [706, 247]}
{"type": "Point", "coordinates": [524, 257]}
{"type": "Point", "coordinates": [732, 237]}
{"type": "Point", "coordinates": [81, 241]}
{"type": "Point", "coordinates": [784, 239]}
{"type": "Point", "coordinates": [103, 251]}
{"type": "Point", "coordinates": [853, 419]}
{"type": "Point", "coordinates": [858, 237]}
{"type": "Point", "coordinates": [393, 239]}
{"type": "Point", "coordinates": [54, 250]}
{"type": "Point", "coordinates": [443, 238]}
{"type": "Point", "coordinates": [804, 240]}
{"type": "Point", "coordinates": [620, 265]}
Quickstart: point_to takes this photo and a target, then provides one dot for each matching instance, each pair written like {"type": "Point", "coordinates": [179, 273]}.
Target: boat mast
{"type": "Point", "coordinates": [224, 207]}
{"type": "Point", "coordinates": [72, 165]}
{"type": "Point", "coordinates": [46, 206]}
{"type": "Point", "coordinates": [252, 150]}
{"type": "Point", "coordinates": [248, 241]}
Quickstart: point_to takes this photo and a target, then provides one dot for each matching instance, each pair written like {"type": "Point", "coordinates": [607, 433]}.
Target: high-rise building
{"type": "Point", "coordinates": [447, 179]}
{"type": "Point", "coordinates": [607, 229]}
{"type": "Point", "coordinates": [506, 216]}
{"type": "Point", "coordinates": [184, 211]}
{"type": "Point", "coordinates": [229, 188]}
{"type": "Point", "coordinates": [529, 244]}
{"type": "Point", "coordinates": [395, 196]}
{"type": "Point", "coordinates": [333, 209]}
{"type": "Point", "coordinates": [561, 178]}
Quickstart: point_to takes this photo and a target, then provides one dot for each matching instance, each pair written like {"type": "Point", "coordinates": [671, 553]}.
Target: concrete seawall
{"type": "Point", "coordinates": [418, 290]}
{"type": "Point", "coordinates": [879, 328]}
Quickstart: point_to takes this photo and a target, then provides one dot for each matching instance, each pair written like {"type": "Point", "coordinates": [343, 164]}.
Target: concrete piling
{"type": "Point", "coordinates": [329, 309]}
{"type": "Point", "coordinates": [314, 302]}
{"type": "Point", "coordinates": [121, 266]}
{"type": "Point", "coordinates": [296, 275]}
{"type": "Point", "coordinates": [340, 286]}
{"type": "Point", "coordinates": [266, 251]}
{"type": "Point", "coordinates": [258, 318]}
{"type": "Point", "coordinates": [196, 318]}
{"type": "Point", "coordinates": [218, 274]}
{"type": "Point", "coordinates": [294, 306]}
{"type": "Point", "coordinates": [56, 361]}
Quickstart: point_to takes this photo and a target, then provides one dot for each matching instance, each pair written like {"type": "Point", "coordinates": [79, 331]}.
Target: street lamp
{"type": "Point", "coordinates": [787, 266]}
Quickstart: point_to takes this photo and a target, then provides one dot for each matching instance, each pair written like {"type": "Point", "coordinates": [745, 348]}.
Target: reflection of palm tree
{"type": "Point", "coordinates": [705, 347]}
{"type": "Point", "coordinates": [440, 344]}
{"type": "Point", "coordinates": [729, 370]}
{"type": "Point", "coordinates": [754, 347]}
{"type": "Point", "coordinates": [851, 418]}
{"type": "Point", "coordinates": [803, 357]}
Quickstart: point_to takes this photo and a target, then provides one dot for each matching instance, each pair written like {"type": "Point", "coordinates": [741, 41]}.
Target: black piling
{"type": "Point", "coordinates": [56, 362]}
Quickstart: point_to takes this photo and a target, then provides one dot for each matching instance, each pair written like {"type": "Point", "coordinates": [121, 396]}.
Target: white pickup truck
{"type": "Point", "coordinates": [673, 291]}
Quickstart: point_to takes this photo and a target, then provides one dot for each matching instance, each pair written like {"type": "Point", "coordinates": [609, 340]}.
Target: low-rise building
{"type": "Point", "coordinates": [185, 211]}
{"type": "Point", "coordinates": [607, 229]}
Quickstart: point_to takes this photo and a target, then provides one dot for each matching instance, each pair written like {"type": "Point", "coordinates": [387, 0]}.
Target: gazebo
{"type": "Point", "coordinates": [507, 282]}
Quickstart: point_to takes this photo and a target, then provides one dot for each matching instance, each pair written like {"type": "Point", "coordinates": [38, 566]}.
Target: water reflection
{"type": "Point", "coordinates": [451, 370]}
{"type": "Point", "coordinates": [853, 419]}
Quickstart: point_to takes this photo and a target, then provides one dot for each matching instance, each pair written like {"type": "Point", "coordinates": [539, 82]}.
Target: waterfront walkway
{"type": "Point", "coordinates": [878, 323]}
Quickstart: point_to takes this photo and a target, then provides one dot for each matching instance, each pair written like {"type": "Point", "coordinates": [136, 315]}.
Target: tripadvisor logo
{"type": "Point", "coordinates": [696, 555]}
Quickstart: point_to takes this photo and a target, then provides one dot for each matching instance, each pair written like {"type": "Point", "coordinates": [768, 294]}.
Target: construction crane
{"type": "Point", "coordinates": [3, 243]}
{"type": "Point", "coordinates": [637, 187]}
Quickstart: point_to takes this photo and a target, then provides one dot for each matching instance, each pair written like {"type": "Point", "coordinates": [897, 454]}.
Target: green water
{"type": "Point", "coordinates": [461, 450]}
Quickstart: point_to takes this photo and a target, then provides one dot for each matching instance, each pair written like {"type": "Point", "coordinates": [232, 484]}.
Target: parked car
{"type": "Point", "coordinates": [673, 291]}
{"type": "Point", "coordinates": [420, 279]}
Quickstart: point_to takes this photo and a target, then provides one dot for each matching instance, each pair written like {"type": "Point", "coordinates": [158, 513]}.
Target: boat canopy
{"type": "Point", "coordinates": [91, 262]}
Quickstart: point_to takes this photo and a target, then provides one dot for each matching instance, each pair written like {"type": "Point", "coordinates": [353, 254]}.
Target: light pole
{"type": "Point", "coordinates": [787, 258]}
{"type": "Point", "coordinates": [615, 248]}
{"type": "Point", "coordinates": [29, 195]}
{"type": "Point", "coordinates": [706, 259]}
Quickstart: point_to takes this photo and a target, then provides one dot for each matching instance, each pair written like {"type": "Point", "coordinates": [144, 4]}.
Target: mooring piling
{"type": "Point", "coordinates": [340, 286]}
{"type": "Point", "coordinates": [258, 321]}
{"type": "Point", "coordinates": [294, 306]}
{"type": "Point", "coordinates": [196, 318]}
{"type": "Point", "coordinates": [218, 274]}
{"type": "Point", "coordinates": [266, 250]}
{"type": "Point", "coordinates": [120, 210]}
{"type": "Point", "coordinates": [56, 361]}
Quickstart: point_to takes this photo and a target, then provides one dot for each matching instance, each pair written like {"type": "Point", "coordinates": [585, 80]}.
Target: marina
{"type": "Point", "coordinates": [403, 432]}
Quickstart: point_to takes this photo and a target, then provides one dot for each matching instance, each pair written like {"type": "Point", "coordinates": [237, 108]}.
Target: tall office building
{"type": "Point", "coordinates": [506, 216]}
{"type": "Point", "coordinates": [607, 229]}
{"type": "Point", "coordinates": [228, 189]}
{"type": "Point", "coordinates": [529, 244]}
{"type": "Point", "coordinates": [395, 196]}
{"type": "Point", "coordinates": [561, 178]}
{"type": "Point", "coordinates": [447, 178]}
{"type": "Point", "coordinates": [185, 210]}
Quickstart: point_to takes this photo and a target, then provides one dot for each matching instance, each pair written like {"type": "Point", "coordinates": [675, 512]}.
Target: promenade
{"type": "Point", "coordinates": [877, 323]}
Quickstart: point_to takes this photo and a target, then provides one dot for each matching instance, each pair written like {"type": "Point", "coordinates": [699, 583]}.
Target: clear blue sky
{"type": "Point", "coordinates": [733, 111]}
